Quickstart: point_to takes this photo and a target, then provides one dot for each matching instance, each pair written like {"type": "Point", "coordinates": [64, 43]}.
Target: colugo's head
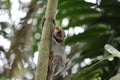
{"type": "Point", "coordinates": [59, 35]}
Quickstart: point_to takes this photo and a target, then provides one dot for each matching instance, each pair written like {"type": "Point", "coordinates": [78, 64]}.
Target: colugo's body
{"type": "Point", "coordinates": [58, 50]}
{"type": "Point", "coordinates": [57, 58]}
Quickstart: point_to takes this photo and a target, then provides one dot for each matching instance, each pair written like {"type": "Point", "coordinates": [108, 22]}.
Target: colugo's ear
{"type": "Point", "coordinates": [57, 28]}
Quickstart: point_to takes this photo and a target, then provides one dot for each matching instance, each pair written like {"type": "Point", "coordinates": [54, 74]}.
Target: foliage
{"type": "Point", "coordinates": [101, 23]}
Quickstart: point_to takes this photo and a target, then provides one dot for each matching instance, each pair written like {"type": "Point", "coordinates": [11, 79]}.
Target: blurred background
{"type": "Point", "coordinates": [88, 24]}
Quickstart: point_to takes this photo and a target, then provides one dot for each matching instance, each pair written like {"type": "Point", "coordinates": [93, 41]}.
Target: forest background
{"type": "Point", "coordinates": [89, 26]}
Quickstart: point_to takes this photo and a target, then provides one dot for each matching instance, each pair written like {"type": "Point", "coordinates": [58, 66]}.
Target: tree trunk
{"type": "Point", "coordinates": [43, 58]}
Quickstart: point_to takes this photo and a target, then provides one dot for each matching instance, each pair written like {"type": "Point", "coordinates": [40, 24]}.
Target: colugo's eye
{"type": "Point", "coordinates": [59, 32]}
{"type": "Point", "coordinates": [64, 36]}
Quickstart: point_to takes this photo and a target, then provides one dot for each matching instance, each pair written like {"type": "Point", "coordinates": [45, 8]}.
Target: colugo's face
{"type": "Point", "coordinates": [59, 34]}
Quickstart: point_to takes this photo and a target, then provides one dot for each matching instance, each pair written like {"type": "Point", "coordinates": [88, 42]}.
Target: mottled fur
{"type": "Point", "coordinates": [57, 56]}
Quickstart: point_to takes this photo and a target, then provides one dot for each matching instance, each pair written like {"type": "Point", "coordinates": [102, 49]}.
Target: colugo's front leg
{"type": "Point", "coordinates": [52, 24]}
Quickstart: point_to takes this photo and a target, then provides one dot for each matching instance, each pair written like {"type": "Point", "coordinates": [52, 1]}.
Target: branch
{"type": "Point", "coordinates": [43, 58]}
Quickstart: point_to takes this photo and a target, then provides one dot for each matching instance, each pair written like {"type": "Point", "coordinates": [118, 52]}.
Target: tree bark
{"type": "Point", "coordinates": [43, 58]}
